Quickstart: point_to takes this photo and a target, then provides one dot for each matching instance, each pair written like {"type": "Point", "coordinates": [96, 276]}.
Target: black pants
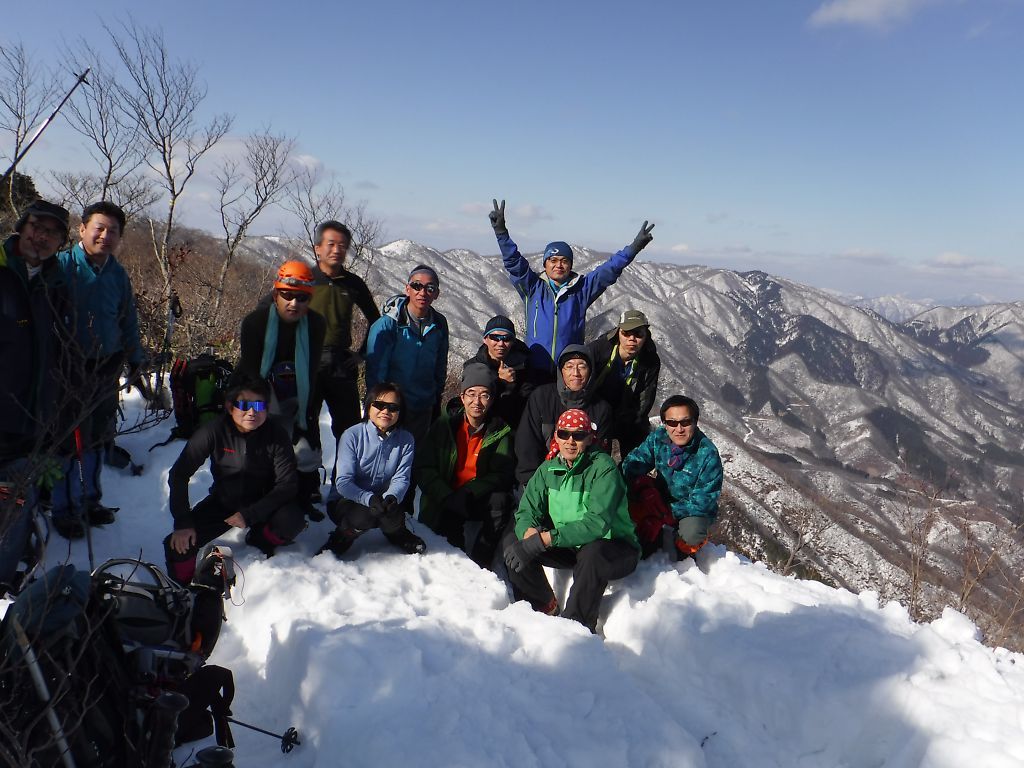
{"type": "Point", "coordinates": [342, 398]}
{"type": "Point", "coordinates": [209, 515]}
{"type": "Point", "coordinates": [593, 566]}
{"type": "Point", "coordinates": [493, 513]}
{"type": "Point", "coordinates": [348, 514]}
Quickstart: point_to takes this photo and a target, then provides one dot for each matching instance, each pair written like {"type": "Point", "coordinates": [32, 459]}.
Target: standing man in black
{"type": "Point", "coordinates": [335, 292]}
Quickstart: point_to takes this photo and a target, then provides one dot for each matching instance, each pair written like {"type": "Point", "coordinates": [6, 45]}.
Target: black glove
{"type": "Point", "coordinates": [459, 503]}
{"type": "Point", "coordinates": [521, 553]}
{"type": "Point", "coordinates": [643, 237]}
{"type": "Point", "coordinates": [497, 217]}
{"type": "Point", "coordinates": [377, 505]}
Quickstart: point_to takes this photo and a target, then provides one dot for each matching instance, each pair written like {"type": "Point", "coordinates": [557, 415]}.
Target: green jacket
{"type": "Point", "coordinates": [577, 504]}
{"type": "Point", "coordinates": [436, 454]}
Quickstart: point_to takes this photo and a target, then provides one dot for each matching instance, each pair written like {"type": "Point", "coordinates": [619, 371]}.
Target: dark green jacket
{"type": "Point", "coordinates": [577, 504]}
{"type": "Point", "coordinates": [437, 453]}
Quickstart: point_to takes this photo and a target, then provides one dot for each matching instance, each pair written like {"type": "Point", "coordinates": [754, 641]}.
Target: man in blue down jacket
{"type": "Point", "coordinates": [556, 302]}
{"type": "Point", "coordinates": [689, 470]}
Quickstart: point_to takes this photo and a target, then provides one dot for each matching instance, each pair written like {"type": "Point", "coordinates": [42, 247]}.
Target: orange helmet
{"type": "Point", "coordinates": [295, 276]}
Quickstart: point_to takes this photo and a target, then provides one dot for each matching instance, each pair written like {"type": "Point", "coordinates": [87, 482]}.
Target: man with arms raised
{"type": "Point", "coordinates": [556, 302]}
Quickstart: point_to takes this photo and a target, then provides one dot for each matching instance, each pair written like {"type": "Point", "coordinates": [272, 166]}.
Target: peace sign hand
{"type": "Point", "coordinates": [497, 217]}
{"type": "Point", "coordinates": [643, 237]}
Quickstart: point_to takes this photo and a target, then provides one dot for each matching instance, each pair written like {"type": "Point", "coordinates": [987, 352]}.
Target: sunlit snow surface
{"type": "Point", "coordinates": [394, 660]}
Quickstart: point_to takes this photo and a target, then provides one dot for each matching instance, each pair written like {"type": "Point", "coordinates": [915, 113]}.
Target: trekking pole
{"type": "Point", "coordinates": [174, 311]}
{"type": "Point", "coordinates": [81, 79]}
{"type": "Point", "coordinates": [44, 694]}
{"type": "Point", "coordinates": [288, 739]}
{"type": "Point", "coordinates": [83, 516]}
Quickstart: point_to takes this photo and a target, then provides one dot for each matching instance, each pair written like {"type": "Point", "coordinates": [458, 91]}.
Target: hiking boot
{"type": "Point", "coordinates": [407, 541]}
{"type": "Point", "coordinates": [339, 542]}
{"type": "Point", "coordinates": [550, 608]}
{"type": "Point", "coordinates": [254, 537]}
{"type": "Point", "coordinates": [97, 514]}
{"type": "Point", "coordinates": [69, 526]}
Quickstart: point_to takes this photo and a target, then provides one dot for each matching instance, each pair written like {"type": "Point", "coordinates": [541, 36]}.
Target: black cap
{"type": "Point", "coordinates": [43, 208]}
{"type": "Point", "coordinates": [500, 324]}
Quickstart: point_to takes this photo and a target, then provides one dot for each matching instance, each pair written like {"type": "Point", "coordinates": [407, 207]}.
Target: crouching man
{"type": "Point", "coordinates": [465, 466]}
{"type": "Point", "coordinates": [572, 515]}
{"type": "Point", "coordinates": [254, 481]}
{"type": "Point", "coordinates": [689, 468]}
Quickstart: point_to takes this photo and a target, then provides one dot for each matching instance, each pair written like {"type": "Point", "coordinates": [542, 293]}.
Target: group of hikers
{"type": "Point", "coordinates": [517, 469]}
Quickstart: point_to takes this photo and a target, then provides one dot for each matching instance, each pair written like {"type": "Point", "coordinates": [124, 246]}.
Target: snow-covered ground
{"type": "Point", "coordinates": [394, 660]}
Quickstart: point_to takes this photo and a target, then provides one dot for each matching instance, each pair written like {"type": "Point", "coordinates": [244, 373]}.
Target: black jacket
{"type": "Point", "coordinates": [631, 403]}
{"type": "Point", "coordinates": [537, 427]}
{"type": "Point", "coordinates": [334, 298]}
{"type": "Point", "coordinates": [34, 318]}
{"type": "Point", "coordinates": [253, 473]}
{"type": "Point", "coordinates": [511, 397]}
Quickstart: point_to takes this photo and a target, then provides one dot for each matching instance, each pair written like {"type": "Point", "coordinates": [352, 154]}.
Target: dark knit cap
{"type": "Point", "coordinates": [575, 352]}
{"type": "Point", "coordinates": [477, 375]}
{"type": "Point", "coordinates": [500, 324]}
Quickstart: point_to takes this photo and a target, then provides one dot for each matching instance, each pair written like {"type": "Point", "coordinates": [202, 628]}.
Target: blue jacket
{"type": "Point", "coordinates": [417, 364]}
{"type": "Point", "coordinates": [557, 319]}
{"type": "Point", "coordinates": [105, 319]}
{"type": "Point", "coordinates": [692, 473]}
{"type": "Point", "coordinates": [369, 463]}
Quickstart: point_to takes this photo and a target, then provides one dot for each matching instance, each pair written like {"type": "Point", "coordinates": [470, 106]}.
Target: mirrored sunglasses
{"type": "Point", "coordinates": [259, 406]}
{"type": "Point", "coordinates": [430, 288]}
{"type": "Point", "coordinates": [499, 338]}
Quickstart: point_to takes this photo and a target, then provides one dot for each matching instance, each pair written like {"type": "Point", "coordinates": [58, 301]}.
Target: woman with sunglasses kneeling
{"type": "Point", "coordinates": [572, 515]}
{"type": "Point", "coordinates": [689, 478]}
{"type": "Point", "coordinates": [254, 481]}
{"type": "Point", "coordinates": [374, 474]}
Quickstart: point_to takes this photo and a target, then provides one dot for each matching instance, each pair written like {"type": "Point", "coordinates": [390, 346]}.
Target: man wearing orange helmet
{"type": "Point", "coordinates": [282, 343]}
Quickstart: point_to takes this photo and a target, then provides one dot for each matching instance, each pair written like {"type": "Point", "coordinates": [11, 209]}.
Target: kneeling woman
{"type": "Point", "coordinates": [374, 474]}
{"type": "Point", "coordinates": [254, 481]}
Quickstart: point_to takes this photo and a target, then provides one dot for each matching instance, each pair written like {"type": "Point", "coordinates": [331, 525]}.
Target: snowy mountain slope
{"type": "Point", "coordinates": [390, 660]}
{"type": "Point", "coordinates": [832, 401]}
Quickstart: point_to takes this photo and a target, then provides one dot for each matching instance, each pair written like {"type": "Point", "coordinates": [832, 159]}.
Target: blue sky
{"type": "Point", "coordinates": [869, 146]}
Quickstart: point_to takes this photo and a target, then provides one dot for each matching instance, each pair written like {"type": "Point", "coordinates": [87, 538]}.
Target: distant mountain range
{"type": "Point", "coordinates": [862, 444]}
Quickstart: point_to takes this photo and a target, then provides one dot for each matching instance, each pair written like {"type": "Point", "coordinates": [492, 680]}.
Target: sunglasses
{"type": "Point", "coordinates": [499, 338]}
{"type": "Point", "coordinates": [259, 406]}
{"type": "Point", "coordinates": [565, 434]}
{"type": "Point", "coordinates": [674, 423]}
{"type": "Point", "coordinates": [382, 405]}
{"type": "Point", "coordinates": [300, 296]}
{"type": "Point", "coordinates": [430, 288]}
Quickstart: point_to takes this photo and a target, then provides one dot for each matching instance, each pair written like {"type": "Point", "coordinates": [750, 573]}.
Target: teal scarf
{"type": "Point", "coordinates": [301, 359]}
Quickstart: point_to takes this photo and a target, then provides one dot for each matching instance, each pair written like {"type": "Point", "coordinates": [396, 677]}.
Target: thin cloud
{"type": "Point", "coordinates": [680, 248]}
{"type": "Point", "coordinates": [954, 260]}
{"type": "Point", "coordinates": [867, 258]}
{"type": "Point", "coordinates": [878, 14]}
{"type": "Point", "coordinates": [526, 213]}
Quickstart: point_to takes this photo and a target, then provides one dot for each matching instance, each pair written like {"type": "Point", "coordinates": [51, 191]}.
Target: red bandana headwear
{"type": "Point", "coordinates": [573, 420]}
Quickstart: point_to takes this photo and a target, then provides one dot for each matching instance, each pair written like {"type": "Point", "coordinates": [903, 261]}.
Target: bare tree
{"type": "Point", "coordinates": [114, 142]}
{"type": "Point", "coordinates": [312, 198]}
{"type": "Point", "coordinates": [246, 187]}
{"type": "Point", "coordinates": [27, 92]}
{"type": "Point", "coordinates": [162, 96]}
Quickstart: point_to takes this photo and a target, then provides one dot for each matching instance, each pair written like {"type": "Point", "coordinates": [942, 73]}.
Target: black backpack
{"type": "Point", "coordinates": [197, 393]}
